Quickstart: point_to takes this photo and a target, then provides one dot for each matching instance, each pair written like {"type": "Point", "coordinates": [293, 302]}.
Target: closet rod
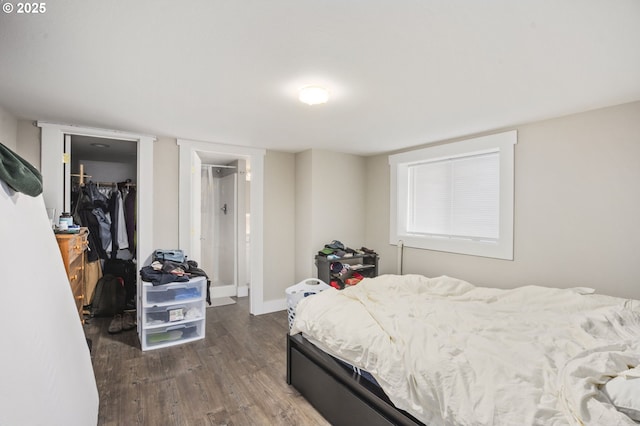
{"type": "Point", "coordinates": [114, 184]}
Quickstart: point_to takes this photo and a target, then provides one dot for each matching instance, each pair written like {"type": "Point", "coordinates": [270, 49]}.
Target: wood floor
{"type": "Point", "coordinates": [235, 376]}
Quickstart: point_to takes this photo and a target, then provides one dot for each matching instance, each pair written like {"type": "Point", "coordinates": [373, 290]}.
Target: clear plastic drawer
{"type": "Point", "coordinates": [172, 334]}
{"type": "Point", "coordinates": [174, 292]}
{"type": "Point", "coordinates": [163, 315]}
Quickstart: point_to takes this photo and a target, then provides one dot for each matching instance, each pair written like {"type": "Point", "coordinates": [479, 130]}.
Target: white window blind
{"type": "Point", "coordinates": [456, 197]}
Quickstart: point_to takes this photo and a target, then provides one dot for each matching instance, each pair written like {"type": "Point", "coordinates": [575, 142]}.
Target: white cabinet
{"type": "Point", "coordinates": [171, 314]}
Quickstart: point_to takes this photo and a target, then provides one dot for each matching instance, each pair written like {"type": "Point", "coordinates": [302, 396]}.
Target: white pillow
{"type": "Point", "coordinates": [624, 393]}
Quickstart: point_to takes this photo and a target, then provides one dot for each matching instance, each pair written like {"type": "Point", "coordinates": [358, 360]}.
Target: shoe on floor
{"type": "Point", "coordinates": [116, 324]}
{"type": "Point", "coordinates": [128, 321]}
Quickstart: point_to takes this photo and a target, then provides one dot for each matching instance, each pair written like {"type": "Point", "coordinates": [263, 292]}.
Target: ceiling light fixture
{"type": "Point", "coordinates": [313, 95]}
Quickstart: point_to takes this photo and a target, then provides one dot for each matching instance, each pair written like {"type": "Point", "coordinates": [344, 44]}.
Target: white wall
{"type": "Point", "coordinates": [279, 224]}
{"type": "Point", "coordinates": [338, 199]}
{"type": "Point", "coordinates": [330, 204]}
{"type": "Point", "coordinates": [304, 212]}
{"type": "Point", "coordinates": [29, 142]}
{"type": "Point", "coordinates": [577, 209]}
{"type": "Point", "coordinates": [165, 198]}
{"type": "Point", "coordinates": [8, 129]}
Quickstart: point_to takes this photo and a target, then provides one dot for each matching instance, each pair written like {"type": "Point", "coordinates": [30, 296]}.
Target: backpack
{"type": "Point", "coordinates": [109, 296]}
{"type": "Point", "coordinates": [126, 270]}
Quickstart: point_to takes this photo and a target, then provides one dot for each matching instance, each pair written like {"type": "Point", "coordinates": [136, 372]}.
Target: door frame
{"type": "Point", "coordinates": [52, 170]}
{"type": "Point", "coordinates": [189, 217]}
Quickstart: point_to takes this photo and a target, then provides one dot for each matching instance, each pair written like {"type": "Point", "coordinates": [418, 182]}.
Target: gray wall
{"type": "Point", "coordinates": [576, 214]}
{"type": "Point", "coordinates": [577, 209]}
{"type": "Point", "coordinates": [303, 203]}
{"type": "Point", "coordinates": [8, 129]}
{"type": "Point", "coordinates": [29, 142]}
{"type": "Point", "coordinates": [165, 193]}
{"type": "Point", "coordinates": [279, 220]}
{"type": "Point", "coordinates": [330, 204]}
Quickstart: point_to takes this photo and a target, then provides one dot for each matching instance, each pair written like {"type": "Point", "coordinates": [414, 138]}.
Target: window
{"type": "Point", "coordinates": [456, 197]}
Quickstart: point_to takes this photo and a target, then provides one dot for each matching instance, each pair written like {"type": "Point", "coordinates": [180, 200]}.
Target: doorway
{"type": "Point", "coordinates": [53, 148]}
{"type": "Point", "coordinates": [192, 154]}
{"type": "Point", "coordinates": [223, 233]}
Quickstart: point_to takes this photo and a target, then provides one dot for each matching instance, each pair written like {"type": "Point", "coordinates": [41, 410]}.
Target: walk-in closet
{"type": "Point", "coordinates": [102, 193]}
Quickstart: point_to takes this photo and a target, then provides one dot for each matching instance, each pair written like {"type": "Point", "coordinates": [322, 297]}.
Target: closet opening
{"type": "Point", "coordinates": [57, 181]}
{"type": "Point", "coordinates": [101, 195]}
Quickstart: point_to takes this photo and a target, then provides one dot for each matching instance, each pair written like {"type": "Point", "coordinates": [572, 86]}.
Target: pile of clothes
{"type": "Point", "coordinates": [336, 250]}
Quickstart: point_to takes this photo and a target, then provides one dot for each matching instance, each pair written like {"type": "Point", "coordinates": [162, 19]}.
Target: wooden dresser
{"type": "Point", "coordinates": [73, 247]}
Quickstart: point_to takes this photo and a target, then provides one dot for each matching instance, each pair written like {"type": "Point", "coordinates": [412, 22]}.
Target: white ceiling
{"type": "Point", "coordinates": [400, 73]}
{"type": "Point", "coordinates": [101, 149]}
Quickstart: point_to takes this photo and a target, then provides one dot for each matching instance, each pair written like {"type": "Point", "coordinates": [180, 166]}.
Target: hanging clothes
{"type": "Point", "coordinates": [105, 227]}
{"type": "Point", "coordinates": [130, 217]}
{"type": "Point", "coordinates": [113, 211]}
{"type": "Point", "coordinates": [121, 228]}
{"type": "Point", "coordinates": [111, 218]}
{"type": "Point", "coordinates": [101, 211]}
{"type": "Point", "coordinates": [83, 215]}
{"type": "Point", "coordinates": [118, 225]}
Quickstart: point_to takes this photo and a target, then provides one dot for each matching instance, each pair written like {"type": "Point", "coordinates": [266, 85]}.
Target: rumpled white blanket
{"type": "Point", "coordinates": [451, 353]}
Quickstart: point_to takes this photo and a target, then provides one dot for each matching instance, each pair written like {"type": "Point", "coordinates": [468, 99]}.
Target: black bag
{"type": "Point", "coordinates": [126, 270]}
{"type": "Point", "coordinates": [109, 297]}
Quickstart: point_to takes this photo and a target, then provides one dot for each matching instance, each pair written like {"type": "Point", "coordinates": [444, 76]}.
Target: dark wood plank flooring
{"type": "Point", "coordinates": [235, 376]}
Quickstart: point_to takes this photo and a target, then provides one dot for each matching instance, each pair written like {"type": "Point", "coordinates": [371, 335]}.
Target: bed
{"type": "Point", "coordinates": [445, 352]}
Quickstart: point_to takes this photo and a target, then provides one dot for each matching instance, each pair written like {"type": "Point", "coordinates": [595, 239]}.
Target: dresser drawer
{"type": "Point", "coordinates": [76, 275]}
{"type": "Point", "coordinates": [76, 246]}
{"type": "Point", "coordinates": [76, 269]}
{"type": "Point", "coordinates": [72, 246]}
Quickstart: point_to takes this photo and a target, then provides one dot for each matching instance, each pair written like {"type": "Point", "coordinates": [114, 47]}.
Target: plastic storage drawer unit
{"type": "Point", "coordinates": [171, 314]}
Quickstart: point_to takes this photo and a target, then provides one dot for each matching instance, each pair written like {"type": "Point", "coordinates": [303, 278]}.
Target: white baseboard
{"type": "Point", "coordinates": [223, 291]}
{"type": "Point", "coordinates": [243, 291]}
{"type": "Point", "coordinates": [269, 306]}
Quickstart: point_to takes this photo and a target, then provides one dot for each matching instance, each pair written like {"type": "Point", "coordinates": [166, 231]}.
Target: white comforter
{"type": "Point", "coordinates": [451, 353]}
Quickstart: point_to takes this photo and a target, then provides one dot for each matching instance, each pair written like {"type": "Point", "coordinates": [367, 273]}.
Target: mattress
{"type": "Point", "coordinates": [364, 374]}
{"type": "Point", "coordinates": [449, 352]}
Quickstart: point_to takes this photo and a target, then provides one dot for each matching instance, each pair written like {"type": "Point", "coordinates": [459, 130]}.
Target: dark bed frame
{"type": "Point", "coordinates": [341, 396]}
